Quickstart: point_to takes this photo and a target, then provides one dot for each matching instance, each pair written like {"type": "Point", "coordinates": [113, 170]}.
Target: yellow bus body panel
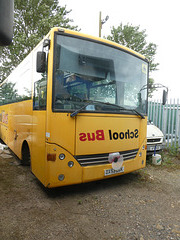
{"type": "Point", "coordinates": [18, 125]}
{"type": "Point", "coordinates": [100, 131]}
{"type": "Point", "coordinates": [38, 154]}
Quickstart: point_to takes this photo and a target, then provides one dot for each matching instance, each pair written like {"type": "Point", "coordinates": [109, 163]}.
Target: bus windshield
{"type": "Point", "coordinates": [85, 70]}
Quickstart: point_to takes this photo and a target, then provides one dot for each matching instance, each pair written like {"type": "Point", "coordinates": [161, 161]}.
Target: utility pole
{"type": "Point", "coordinates": [100, 25]}
{"type": "Point", "coordinates": [101, 22]}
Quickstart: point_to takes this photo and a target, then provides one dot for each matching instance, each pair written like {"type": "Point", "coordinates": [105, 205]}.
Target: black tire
{"type": "Point", "coordinates": [26, 158]}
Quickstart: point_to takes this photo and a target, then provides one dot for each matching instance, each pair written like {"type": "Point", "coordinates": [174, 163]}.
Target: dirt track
{"type": "Point", "coordinates": [144, 205]}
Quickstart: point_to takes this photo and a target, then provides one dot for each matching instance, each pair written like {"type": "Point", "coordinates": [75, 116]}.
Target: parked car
{"type": "Point", "coordinates": [155, 139]}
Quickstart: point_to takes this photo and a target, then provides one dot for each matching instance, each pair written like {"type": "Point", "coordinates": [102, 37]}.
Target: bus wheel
{"type": "Point", "coordinates": [26, 158]}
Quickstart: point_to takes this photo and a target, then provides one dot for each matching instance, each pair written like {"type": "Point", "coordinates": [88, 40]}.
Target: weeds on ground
{"type": "Point", "coordinates": [173, 149]}
{"type": "Point", "coordinates": [171, 157]}
{"type": "Point", "coordinates": [144, 176]}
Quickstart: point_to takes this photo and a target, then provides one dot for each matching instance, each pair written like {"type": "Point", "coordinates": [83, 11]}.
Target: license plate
{"type": "Point", "coordinates": [111, 171]}
{"type": "Point", "coordinates": [157, 148]}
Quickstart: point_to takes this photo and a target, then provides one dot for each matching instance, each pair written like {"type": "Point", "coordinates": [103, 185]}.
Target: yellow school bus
{"type": "Point", "coordinates": [76, 110]}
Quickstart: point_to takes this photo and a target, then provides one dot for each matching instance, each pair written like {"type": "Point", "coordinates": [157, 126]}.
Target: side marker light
{"type": "Point", "coordinates": [61, 177]}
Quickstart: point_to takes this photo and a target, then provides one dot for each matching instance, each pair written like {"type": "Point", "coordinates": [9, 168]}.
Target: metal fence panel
{"type": "Point", "coordinates": [167, 118]}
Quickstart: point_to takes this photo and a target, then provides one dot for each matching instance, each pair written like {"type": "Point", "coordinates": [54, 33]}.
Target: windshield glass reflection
{"type": "Point", "coordinates": [86, 70]}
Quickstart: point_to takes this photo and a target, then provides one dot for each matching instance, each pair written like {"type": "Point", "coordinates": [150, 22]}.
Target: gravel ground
{"type": "Point", "coordinates": [144, 205]}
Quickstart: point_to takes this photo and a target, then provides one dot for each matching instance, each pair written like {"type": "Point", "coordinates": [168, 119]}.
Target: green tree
{"type": "Point", "coordinates": [32, 20]}
{"type": "Point", "coordinates": [135, 39]}
{"type": "Point", "coordinates": [151, 87]}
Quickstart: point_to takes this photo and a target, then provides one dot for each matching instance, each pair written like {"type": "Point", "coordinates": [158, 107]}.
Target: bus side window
{"type": "Point", "coordinates": [40, 94]}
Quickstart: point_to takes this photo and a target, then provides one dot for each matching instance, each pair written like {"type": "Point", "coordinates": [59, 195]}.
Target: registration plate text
{"type": "Point", "coordinates": [111, 171]}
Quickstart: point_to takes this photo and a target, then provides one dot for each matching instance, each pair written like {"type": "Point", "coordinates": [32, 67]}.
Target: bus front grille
{"type": "Point", "coordinates": [99, 159]}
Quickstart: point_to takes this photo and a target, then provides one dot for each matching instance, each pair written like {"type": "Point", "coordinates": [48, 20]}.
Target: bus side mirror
{"type": "Point", "coordinates": [164, 97]}
{"type": "Point", "coordinates": [41, 62]}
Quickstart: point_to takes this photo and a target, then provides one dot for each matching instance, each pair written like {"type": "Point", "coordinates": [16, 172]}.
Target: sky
{"type": "Point", "coordinates": [160, 19]}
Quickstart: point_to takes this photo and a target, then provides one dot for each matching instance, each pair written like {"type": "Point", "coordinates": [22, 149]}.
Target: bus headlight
{"type": "Point", "coordinates": [70, 164]}
{"type": "Point", "coordinates": [61, 156]}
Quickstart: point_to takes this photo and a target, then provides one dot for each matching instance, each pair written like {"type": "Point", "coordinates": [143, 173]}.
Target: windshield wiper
{"type": "Point", "coordinates": [79, 110]}
{"type": "Point", "coordinates": [93, 101]}
{"type": "Point", "coordinates": [106, 103]}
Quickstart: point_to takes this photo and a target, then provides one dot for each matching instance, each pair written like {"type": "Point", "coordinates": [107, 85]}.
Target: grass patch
{"type": "Point", "coordinates": [170, 160]}
{"type": "Point", "coordinates": [173, 150]}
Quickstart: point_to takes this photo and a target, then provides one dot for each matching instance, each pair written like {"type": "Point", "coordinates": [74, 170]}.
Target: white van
{"type": "Point", "coordinates": [154, 139]}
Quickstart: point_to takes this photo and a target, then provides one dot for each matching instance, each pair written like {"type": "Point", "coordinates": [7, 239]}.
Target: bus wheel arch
{"type": "Point", "coordinates": [25, 154]}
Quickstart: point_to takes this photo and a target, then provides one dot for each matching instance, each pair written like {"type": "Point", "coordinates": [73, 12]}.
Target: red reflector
{"type": "Point", "coordinates": [51, 157]}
